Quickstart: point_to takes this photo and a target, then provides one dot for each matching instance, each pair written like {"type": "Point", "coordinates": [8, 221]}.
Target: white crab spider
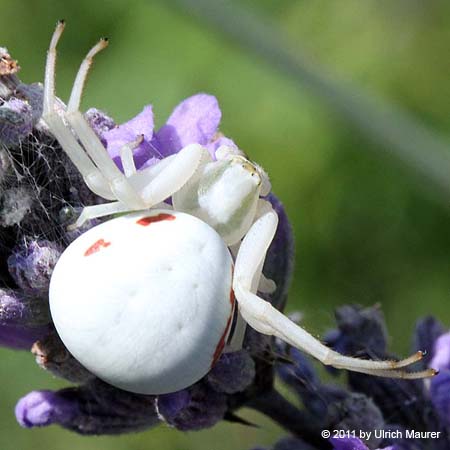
{"type": "Point", "coordinates": [159, 284]}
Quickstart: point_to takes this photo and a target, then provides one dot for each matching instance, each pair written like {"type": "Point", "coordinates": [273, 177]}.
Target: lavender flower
{"type": "Point", "coordinates": [95, 408]}
{"type": "Point", "coordinates": [194, 120]}
{"type": "Point", "coordinates": [41, 194]}
{"type": "Point", "coordinates": [55, 192]}
{"type": "Point", "coordinates": [440, 385]}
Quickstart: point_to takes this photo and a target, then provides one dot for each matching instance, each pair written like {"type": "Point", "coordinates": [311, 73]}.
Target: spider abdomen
{"type": "Point", "coordinates": [143, 300]}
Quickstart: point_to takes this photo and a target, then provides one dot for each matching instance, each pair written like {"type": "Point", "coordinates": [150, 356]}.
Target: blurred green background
{"type": "Point", "coordinates": [366, 229]}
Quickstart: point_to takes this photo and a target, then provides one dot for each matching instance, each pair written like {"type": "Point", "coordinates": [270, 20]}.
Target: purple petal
{"type": "Point", "coordinates": [42, 408]}
{"type": "Point", "coordinates": [21, 337]}
{"type": "Point", "coordinates": [441, 353]}
{"type": "Point", "coordinates": [440, 394]}
{"type": "Point", "coordinates": [218, 142]}
{"type": "Point", "coordinates": [348, 443]}
{"type": "Point", "coordinates": [128, 132]}
{"type": "Point", "coordinates": [195, 120]}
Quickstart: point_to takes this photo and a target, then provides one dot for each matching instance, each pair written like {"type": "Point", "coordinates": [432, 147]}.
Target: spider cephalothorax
{"type": "Point", "coordinates": [161, 281]}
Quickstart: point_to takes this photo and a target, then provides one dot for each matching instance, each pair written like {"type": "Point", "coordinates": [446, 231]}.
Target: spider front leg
{"type": "Point", "coordinates": [96, 182]}
{"type": "Point", "coordinates": [263, 317]}
{"type": "Point", "coordinates": [155, 184]}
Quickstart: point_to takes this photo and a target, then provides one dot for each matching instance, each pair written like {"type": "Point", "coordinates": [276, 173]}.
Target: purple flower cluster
{"type": "Point", "coordinates": [370, 412]}
{"type": "Point", "coordinates": [47, 193]}
{"type": "Point", "coordinates": [41, 192]}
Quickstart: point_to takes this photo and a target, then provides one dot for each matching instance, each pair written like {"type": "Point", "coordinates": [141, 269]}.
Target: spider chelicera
{"type": "Point", "coordinates": [145, 301]}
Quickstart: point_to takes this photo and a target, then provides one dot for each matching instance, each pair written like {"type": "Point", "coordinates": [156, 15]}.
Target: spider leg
{"type": "Point", "coordinates": [262, 316]}
{"type": "Point", "coordinates": [126, 156]}
{"type": "Point", "coordinates": [186, 199]}
{"type": "Point", "coordinates": [259, 283]}
{"type": "Point", "coordinates": [117, 180]}
{"type": "Point", "coordinates": [95, 211]}
{"type": "Point", "coordinates": [265, 285]}
{"type": "Point", "coordinates": [161, 181]}
{"type": "Point", "coordinates": [80, 80]}
{"type": "Point", "coordinates": [91, 175]}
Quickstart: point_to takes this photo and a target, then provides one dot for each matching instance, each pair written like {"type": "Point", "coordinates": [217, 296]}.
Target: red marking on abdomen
{"type": "Point", "coordinates": [145, 221]}
{"type": "Point", "coordinates": [221, 343]}
{"type": "Point", "coordinates": [96, 246]}
{"type": "Point", "coordinates": [232, 297]}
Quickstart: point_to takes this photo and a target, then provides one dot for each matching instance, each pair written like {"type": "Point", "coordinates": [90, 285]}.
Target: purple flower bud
{"type": "Point", "coordinates": [42, 408]}
{"type": "Point", "coordinates": [402, 401]}
{"type": "Point", "coordinates": [361, 331]}
{"type": "Point", "coordinates": [22, 311]}
{"type": "Point", "coordinates": [194, 408]}
{"type": "Point", "coordinates": [95, 408]}
{"type": "Point", "coordinates": [52, 355]}
{"type": "Point", "coordinates": [16, 121]}
{"type": "Point", "coordinates": [32, 265]}
{"type": "Point", "coordinates": [232, 373]}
